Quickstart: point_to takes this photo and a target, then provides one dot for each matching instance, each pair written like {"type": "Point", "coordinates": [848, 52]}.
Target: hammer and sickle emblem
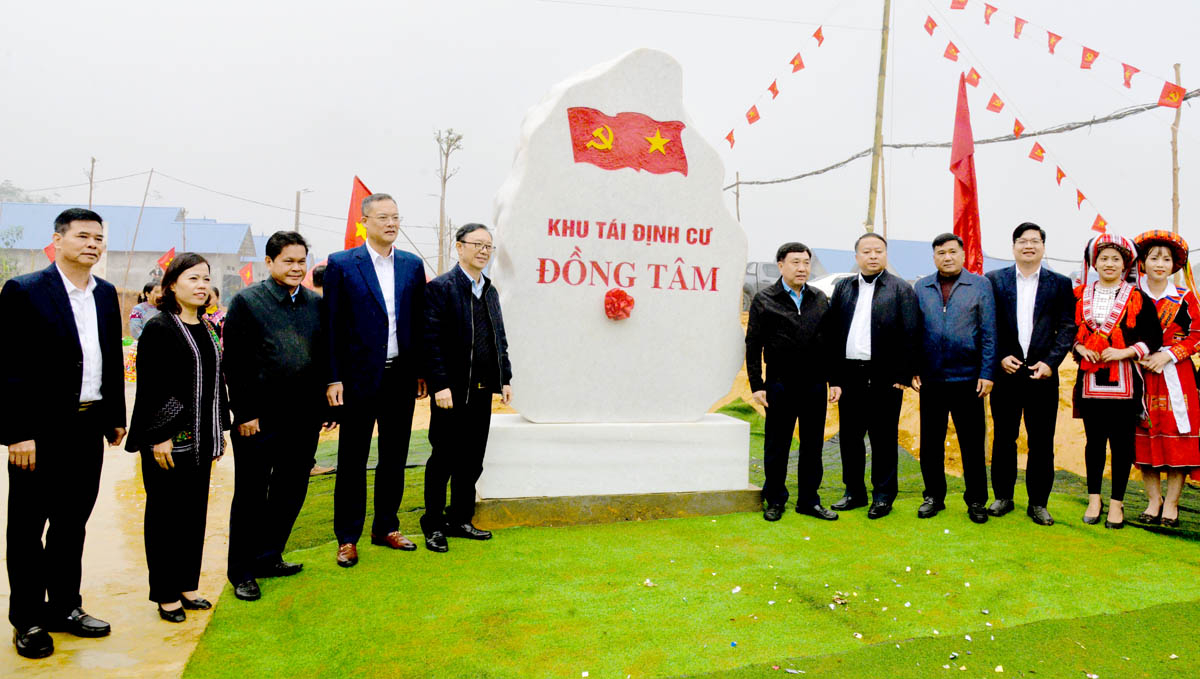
{"type": "Point", "coordinates": [606, 141]}
{"type": "Point", "coordinates": [1173, 96]}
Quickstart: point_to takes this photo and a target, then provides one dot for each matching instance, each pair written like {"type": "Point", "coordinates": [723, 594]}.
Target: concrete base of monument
{"type": "Point", "coordinates": [591, 509]}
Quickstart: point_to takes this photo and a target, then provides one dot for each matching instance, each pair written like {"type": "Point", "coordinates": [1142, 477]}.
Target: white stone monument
{"type": "Point", "coordinates": [619, 269]}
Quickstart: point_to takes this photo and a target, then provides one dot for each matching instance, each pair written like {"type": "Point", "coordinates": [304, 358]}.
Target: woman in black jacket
{"type": "Point", "coordinates": [179, 419]}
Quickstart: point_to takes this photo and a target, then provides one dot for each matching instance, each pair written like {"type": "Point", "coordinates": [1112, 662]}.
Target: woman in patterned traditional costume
{"type": "Point", "coordinates": [1117, 327]}
{"type": "Point", "coordinates": [1168, 439]}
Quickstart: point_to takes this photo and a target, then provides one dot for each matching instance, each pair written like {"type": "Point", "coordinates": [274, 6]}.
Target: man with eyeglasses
{"type": "Point", "coordinates": [374, 303]}
{"type": "Point", "coordinates": [468, 362]}
{"type": "Point", "coordinates": [1035, 329]}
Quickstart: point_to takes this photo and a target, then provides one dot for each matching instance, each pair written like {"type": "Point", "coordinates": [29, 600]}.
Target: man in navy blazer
{"type": "Point", "coordinates": [374, 308]}
{"type": "Point", "coordinates": [64, 394]}
{"type": "Point", "coordinates": [1035, 327]}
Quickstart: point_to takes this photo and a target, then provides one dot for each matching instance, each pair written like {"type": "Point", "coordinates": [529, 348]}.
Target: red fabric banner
{"type": "Point", "coordinates": [995, 104]}
{"type": "Point", "coordinates": [1060, 175]}
{"type": "Point", "coordinates": [1079, 198]}
{"type": "Point", "coordinates": [1052, 39]}
{"type": "Point", "coordinates": [1099, 225]}
{"type": "Point", "coordinates": [773, 88]}
{"type": "Point", "coordinates": [356, 233]}
{"type": "Point", "coordinates": [1089, 57]}
{"type": "Point", "coordinates": [166, 259]}
{"type": "Point", "coordinates": [247, 273]}
{"type": "Point", "coordinates": [951, 52]}
{"type": "Point", "coordinates": [632, 140]}
{"type": "Point", "coordinates": [752, 115]}
{"type": "Point", "coordinates": [973, 78]}
{"type": "Point", "coordinates": [1018, 24]}
{"type": "Point", "coordinates": [958, 4]}
{"type": "Point", "coordinates": [1018, 128]}
{"type": "Point", "coordinates": [729, 138]}
{"type": "Point", "coordinates": [797, 63]}
{"type": "Point", "coordinates": [930, 24]}
{"type": "Point", "coordinates": [988, 11]}
{"type": "Point", "coordinates": [819, 36]}
{"type": "Point", "coordinates": [1129, 71]}
{"type": "Point", "coordinates": [966, 190]}
{"type": "Point", "coordinates": [1037, 152]}
{"type": "Point", "coordinates": [50, 252]}
{"type": "Point", "coordinates": [1171, 96]}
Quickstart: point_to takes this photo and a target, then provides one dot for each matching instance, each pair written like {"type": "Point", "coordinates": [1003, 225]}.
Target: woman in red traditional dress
{"type": "Point", "coordinates": [1168, 438]}
{"type": "Point", "coordinates": [1117, 327]}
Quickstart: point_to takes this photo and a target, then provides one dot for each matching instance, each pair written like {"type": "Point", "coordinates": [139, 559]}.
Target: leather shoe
{"type": "Point", "coordinates": [33, 642]}
{"type": "Point", "coordinates": [196, 604]}
{"type": "Point", "coordinates": [347, 555]}
{"type": "Point", "coordinates": [847, 503]}
{"type": "Point", "coordinates": [773, 512]}
{"type": "Point", "coordinates": [1000, 507]}
{"type": "Point", "coordinates": [436, 542]}
{"type": "Point", "coordinates": [247, 591]}
{"type": "Point", "coordinates": [395, 540]}
{"type": "Point", "coordinates": [176, 615]}
{"type": "Point", "coordinates": [930, 508]}
{"type": "Point", "coordinates": [879, 509]}
{"type": "Point", "coordinates": [818, 511]}
{"type": "Point", "coordinates": [977, 513]}
{"type": "Point", "coordinates": [279, 569]}
{"type": "Point", "coordinates": [81, 624]}
{"type": "Point", "coordinates": [1092, 520]}
{"type": "Point", "coordinates": [468, 531]}
{"type": "Point", "coordinates": [1040, 515]}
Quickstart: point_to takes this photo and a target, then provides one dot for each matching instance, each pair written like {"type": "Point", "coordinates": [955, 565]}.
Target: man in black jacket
{"type": "Point", "coordinates": [875, 328]}
{"type": "Point", "coordinates": [64, 394]}
{"type": "Point", "coordinates": [1035, 325]}
{"type": "Point", "coordinates": [276, 383]}
{"type": "Point", "coordinates": [468, 362]}
{"type": "Point", "coordinates": [786, 326]}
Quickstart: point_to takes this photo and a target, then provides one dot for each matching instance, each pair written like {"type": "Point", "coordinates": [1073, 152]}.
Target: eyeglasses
{"type": "Point", "coordinates": [479, 245]}
{"type": "Point", "coordinates": [1027, 241]}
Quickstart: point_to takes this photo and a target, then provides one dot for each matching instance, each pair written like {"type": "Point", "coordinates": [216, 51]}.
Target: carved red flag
{"type": "Point", "coordinates": [752, 115]}
{"type": "Point", "coordinates": [247, 273]}
{"type": "Point", "coordinates": [1089, 57]}
{"type": "Point", "coordinates": [1129, 71]}
{"type": "Point", "coordinates": [166, 259]}
{"type": "Point", "coordinates": [988, 11]}
{"type": "Point", "coordinates": [1079, 197]}
{"type": "Point", "coordinates": [729, 138]}
{"type": "Point", "coordinates": [1018, 128]}
{"type": "Point", "coordinates": [819, 36]}
{"type": "Point", "coordinates": [1052, 39]}
{"type": "Point", "coordinates": [356, 233]}
{"type": "Point", "coordinates": [930, 24]}
{"type": "Point", "coordinates": [50, 252]}
{"type": "Point", "coordinates": [632, 140]}
{"type": "Point", "coordinates": [773, 88]}
{"type": "Point", "coordinates": [1172, 95]}
{"type": "Point", "coordinates": [958, 4]}
{"type": "Point", "coordinates": [797, 63]}
{"type": "Point", "coordinates": [1060, 175]}
{"type": "Point", "coordinates": [1018, 24]}
{"type": "Point", "coordinates": [973, 78]}
{"type": "Point", "coordinates": [995, 104]}
{"type": "Point", "coordinates": [1037, 153]}
{"type": "Point", "coordinates": [951, 52]}
{"type": "Point", "coordinates": [1099, 225]}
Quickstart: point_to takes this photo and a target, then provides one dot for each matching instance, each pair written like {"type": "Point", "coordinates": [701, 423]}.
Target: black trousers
{"type": "Point", "coordinates": [60, 491]}
{"type": "Point", "coordinates": [1014, 396]}
{"type": "Point", "coordinates": [176, 514]}
{"type": "Point", "coordinates": [458, 437]}
{"type": "Point", "coordinates": [939, 402]}
{"type": "Point", "coordinates": [787, 404]}
{"type": "Point", "coordinates": [869, 407]}
{"type": "Point", "coordinates": [270, 484]}
{"type": "Point", "coordinates": [392, 410]}
{"type": "Point", "coordinates": [1111, 424]}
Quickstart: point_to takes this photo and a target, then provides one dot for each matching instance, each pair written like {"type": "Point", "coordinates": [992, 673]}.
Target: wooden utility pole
{"type": "Point", "coordinates": [183, 229]}
{"type": "Point", "coordinates": [297, 227]}
{"type": "Point", "coordinates": [136, 227]}
{"type": "Point", "coordinates": [448, 141]}
{"type": "Point", "coordinates": [883, 196]}
{"type": "Point", "coordinates": [877, 151]}
{"type": "Point", "coordinates": [1175, 163]}
{"type": "Point", "coordinates": [91, 181]}
{"type": "Point", "coordinates": [737, 194]}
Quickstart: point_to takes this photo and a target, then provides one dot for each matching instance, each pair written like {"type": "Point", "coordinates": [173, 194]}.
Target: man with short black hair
{"type": "Point", "coordinates": [787, 326]}
{"type": "Point", "coordinates": [1035, 325]}
{"type": "Point", "coordinates": [65, 394]}
{"type": "Point", "coordinates": [957, 366]}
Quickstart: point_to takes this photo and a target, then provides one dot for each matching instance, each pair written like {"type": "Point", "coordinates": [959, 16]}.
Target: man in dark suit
{"type": "Point", "coordinates": [875, 328]}
{"type": "Point", "coordinates": [374, 297]}
{"type": "Point", "coordinates": [1035, 323]}
{"type": "Point", "coordinates": [787, 326]}
{"type": "Point", "coordinates": [64, 394]}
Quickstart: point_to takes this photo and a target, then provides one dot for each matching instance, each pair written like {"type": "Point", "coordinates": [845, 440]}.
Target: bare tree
{"type": "Point", "coordinates": [448, 141]}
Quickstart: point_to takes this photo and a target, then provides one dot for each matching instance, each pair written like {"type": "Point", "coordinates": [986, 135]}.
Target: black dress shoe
{"type": "Point", "coordinates": [436, 542]}
{"type": "Point", "coordinates": [818, 511]}
{"type": "Point", "coordinates": [1092, 520]}
{"type": "Point", "coordinates": [1000, 507]}
{"type": "Point", "coordinates": [279, 569]}
{"type": "Point", "coordinates": [1115, 526]}
{"type": "Point", "coordinates": [930, 508]}
{"type": "Point", "coordinates": [977, 513]}
{"type": "Point", "coordinates": [773, 512]}
{"type": "Point", "coordinates": [247, 591]}
{"type": "Point", "coordinates": [81, 624]}
{"type": "Point", "coordinates": [847, 503]}
{"type": "Point", "coordinates": [33, 642]}
{"type": "Point", "coordinates": [1151, 519]}
{"type": "Point", "coordinates": [1171, 523]}
{"type": "Point", "coordinates": [1040, 515]}
{"type": "Point", "coordinates": [196, 604]}
{"type": "Point", "coordinates": [879, 509]}
{"type": "Point", "coordinates": [176, 615]}
{"type": "Point", "coordinates": [468, 531]}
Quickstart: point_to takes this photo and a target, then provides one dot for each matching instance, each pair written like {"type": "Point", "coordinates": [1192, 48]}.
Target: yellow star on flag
{"type": "Point", "coordinates": [658, 143]}
{"type": "Point", "coordinates": [360, 231]}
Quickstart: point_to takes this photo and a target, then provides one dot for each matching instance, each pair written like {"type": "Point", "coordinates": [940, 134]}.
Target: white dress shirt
{"type": "Point", "coordinates": [83, 308]}
{"type": "Point", "coordinates": [1027, 287]}
{"type": "Point", "coordinates": [858, 340]}
{"type": "Point", "coordinates": [385, 271]}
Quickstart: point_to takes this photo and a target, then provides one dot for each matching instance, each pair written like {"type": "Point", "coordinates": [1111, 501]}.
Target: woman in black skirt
{"type": "Point", "coordinates": [179, 419]}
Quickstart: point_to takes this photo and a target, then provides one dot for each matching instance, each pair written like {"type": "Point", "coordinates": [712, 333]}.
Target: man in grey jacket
{"type": "Point", "coordinates": [958, 362]}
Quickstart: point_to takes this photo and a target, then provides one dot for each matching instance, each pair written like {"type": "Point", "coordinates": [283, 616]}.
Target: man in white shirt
{"type": "Point", "coordinates": [64, 395]}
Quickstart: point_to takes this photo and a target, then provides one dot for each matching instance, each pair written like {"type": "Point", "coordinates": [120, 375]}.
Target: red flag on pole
{"type": "Point", "coordinates": [166, 259]}
{"type": "Point", "coordinates": [356, 233]}
{"type": "Point", "coordinates": [50, 252]}
{"type": "Point", "coordinates": [247, 273]}
{"type": "Point", "coordinates": [966, 191]}
{"type": "Point", "coordinates": [1172, 95]}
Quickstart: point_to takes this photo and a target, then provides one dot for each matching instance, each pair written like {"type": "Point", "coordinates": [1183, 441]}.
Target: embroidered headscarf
{"type": "Point", "coordinates": [1098, 334]}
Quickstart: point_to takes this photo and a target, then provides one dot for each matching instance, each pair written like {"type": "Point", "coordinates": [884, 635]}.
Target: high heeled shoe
{"type": "Point", "coordinates": [1150, 519]}
{"type": "Point", "coordinates": [1093, 520]}
{"type": "Point", "coordinates": [176, 615]}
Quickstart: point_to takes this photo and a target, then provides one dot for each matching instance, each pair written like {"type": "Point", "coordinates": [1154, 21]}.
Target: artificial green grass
{"type": "Point", "coordinates": [657, 598]}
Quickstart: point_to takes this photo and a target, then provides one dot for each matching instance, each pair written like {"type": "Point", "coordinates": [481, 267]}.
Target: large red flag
{"type": "Point", "coordinates": [247, 273]}
{"type": "Point", "coordinates": [356, 233]}
{"type": "Point", "coordinates": [966, 191]}
{"type": "Point", "coordinates": [165, 260]}
{"type": "Point", "coordinates": [632, 140]}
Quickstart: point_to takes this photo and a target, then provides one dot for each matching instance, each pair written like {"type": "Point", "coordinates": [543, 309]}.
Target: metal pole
{"type": "Point", "coordinates": [877, 151]}
{"type": "Point", "coordinates": [133, 242]}
{"type": "Point", "coordinates": [297, 227]}
{"type": "Point", "coordinates": [1175, 163]}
